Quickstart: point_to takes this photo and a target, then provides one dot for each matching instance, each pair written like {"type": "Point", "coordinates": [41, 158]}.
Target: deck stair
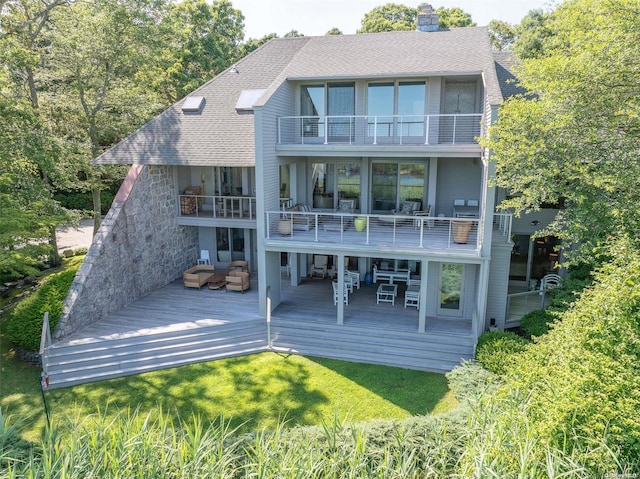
{"type": "Point", "coordinates": [73, 362]}
{"type": "Point", "coordinates": [435, 352]}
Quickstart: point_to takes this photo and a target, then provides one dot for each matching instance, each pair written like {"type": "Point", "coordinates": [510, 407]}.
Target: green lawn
{"type": "Point", "coordinates": [253, 392]}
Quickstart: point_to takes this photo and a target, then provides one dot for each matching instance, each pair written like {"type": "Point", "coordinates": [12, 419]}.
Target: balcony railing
{"type": "Point", "coordinates": [461, 234]}
{"type": "Point", "coordinates": [201, 206]}
{"type": "Point", "coordinates": [380, 130]}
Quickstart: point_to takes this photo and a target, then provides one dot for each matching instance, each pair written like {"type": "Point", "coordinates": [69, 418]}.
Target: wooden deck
{"type": "Point", "coordinates": [174, 326]}
{"type": "Point", "coordinates": [175, 308]}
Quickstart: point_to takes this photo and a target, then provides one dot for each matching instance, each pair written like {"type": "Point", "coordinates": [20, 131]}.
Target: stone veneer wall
{"type": "Point", "coordinates": [138, 248]}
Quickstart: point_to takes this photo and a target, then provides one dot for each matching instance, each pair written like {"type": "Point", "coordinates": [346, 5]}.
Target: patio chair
{"type": "Point", "coordinates": [345, 293]}
{"type": "Point", "coordinates": [319, 265]}
{"type": "Point", "coordinates": [204, 257]}
{"type": "Point", "coordinates": [549, 281]}
{"type": "Point", "coordinates": [418, 220]}
{"type": "Point", "coordinates": [354, 276]}
{"type": "Point", "coordinates": [237, 281]}
{"type": "Point", "coordinates": [238, 265]}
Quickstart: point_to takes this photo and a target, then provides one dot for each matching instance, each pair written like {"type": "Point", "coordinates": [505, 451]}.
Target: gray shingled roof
{"type": "Point", "coordinates": [216, 136]}
{"type": "Point", "coordinates": [221, 136]}
{"type": "Point", "coordinates": [505, 62]}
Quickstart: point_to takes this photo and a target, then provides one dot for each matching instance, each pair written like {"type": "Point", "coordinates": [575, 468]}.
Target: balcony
{"type": "Point", "coordinates": [420, 233]}
{"type": "Point", "coordinates": [413, 130]}
{"type": "Point", "coordinates": [224, 207]}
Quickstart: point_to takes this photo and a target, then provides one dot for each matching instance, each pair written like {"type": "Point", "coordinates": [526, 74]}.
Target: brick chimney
{"type": "Point", "coordinates": [427, 18]}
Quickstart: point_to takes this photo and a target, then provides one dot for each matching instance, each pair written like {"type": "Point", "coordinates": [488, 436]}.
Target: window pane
{"type": "Point", "coordinates": [312, 100]}
{"type": "Point", "coordinates": [341, 103]}
{"type": "Point", "coordinates": [349, 182]}
{"type": "Point", "coordinates": [412, 182]}
{"type": "Point", "coordinates": [411, 103]}
{"type": "Point", "coordinates": [312, 104]}
{"type": "Point", "coordinates": [384, 187]}
{"type": "Point", "coordinates": [380, 105]}
{"type": "Point", "coordinates": [323, 185]}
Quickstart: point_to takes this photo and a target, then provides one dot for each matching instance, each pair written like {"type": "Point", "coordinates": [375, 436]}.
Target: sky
{"type": "Point", "coordinates": [316, 17]}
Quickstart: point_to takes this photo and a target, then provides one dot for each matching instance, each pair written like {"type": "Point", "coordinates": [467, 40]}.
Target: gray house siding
{"type": "Point", "coordinates": [458, 178]}
{"type": "Point", "coordinates": [498, 284]}
{"type": "Point", "coordinates": [281, 103]}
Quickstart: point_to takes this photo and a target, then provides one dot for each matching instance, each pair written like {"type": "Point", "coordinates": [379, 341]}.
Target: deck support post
{"type": "Point", "coordinates": [340, 270]}
{"type": "Point", "coordinates": [422, 309]}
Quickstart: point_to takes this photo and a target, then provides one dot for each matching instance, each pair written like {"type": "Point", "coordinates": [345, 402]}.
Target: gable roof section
{"type": "Point", "coordinates": [218, 134]}
{"type": "Point", "coordinates": [221, 135]}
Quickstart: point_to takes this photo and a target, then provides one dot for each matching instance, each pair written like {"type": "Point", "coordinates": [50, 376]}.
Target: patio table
{"type": "Point", "coordinates": [386, 293]}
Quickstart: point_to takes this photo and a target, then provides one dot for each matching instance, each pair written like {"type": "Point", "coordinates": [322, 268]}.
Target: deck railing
{"type": "Point", "coordinates": [239, 207]}
{"type": "Point", "coordinates": [380, 130]}
{"type": "Point", "coordinates": [375, 230]}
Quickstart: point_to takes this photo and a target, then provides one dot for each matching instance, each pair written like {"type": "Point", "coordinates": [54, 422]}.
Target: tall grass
{"type": "Point", "coordinates": [133, 445]}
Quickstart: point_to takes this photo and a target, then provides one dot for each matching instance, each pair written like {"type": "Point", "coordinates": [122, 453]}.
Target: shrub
{"type": "Point", "coordinates": [25, 320]}
{"type": "Point", "coordinates": [496, 350]}
{"type": "Point", "coordinates": [536, 323]}
{"type": "Point", "coordinates": [583, 375]}
{"type": "Point", "coordinates": [470, 380]}
{"type": "Point", "coordinates": [83, 201]}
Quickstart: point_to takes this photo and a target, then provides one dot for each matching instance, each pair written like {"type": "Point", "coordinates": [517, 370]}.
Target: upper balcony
{"type": "Point", "coordinates": [395, 130]}
{"type": "Point", "coordinates": [460, 236]}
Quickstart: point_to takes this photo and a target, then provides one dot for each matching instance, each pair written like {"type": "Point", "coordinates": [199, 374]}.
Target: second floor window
{"type": "Point", "coordinates": [335, 100]}
{"type": "Point", "coordinates": [396, 110]}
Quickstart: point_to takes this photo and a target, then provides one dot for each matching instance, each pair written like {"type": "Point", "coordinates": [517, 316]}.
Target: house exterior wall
{"type": "Point", "coordinates": [498, 284]}
{"type": "Point", "coordinates": [133, 253]}
{"type": "Point", "coordinates": [282, 103]}
{"type": "Point", "coordinates": [458, 178]}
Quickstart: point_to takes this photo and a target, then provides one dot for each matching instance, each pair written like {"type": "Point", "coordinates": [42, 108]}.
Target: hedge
{"type": "Point", "coordinates": [25, 320]}
{"type": "Point", "coordinates": [496, 350]}
{"type": "Point", "coordinates": [536, 323]}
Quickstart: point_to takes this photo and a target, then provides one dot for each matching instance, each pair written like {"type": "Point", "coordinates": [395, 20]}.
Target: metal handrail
{"type": "Point", "coordinates": [364, 129]}
{"type": "Point", "coordinates": [399, 230]}
{"type": "Point", "coordinates": [219, 206]}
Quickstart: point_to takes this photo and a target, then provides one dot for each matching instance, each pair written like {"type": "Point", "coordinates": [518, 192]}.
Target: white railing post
{"type": "Point", "coordinates": [326, 130]}
{"type": "Point", "coordinates": [375, 130]}
{"type": "Point", "coordinates": [426, 136]}
{"type": "Point", "coordinates": [268, 318]}
{"type": "Point", "coordinates": [455, 118]}
{"type": "Point", "coordinates": [45, 343]}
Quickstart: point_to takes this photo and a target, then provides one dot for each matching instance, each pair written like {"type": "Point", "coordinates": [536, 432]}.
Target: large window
{"type": "Point", "coordinates": [396, 110]}
{"type": "Point", "coordinates": [411, 104]}
{"type": "Point", "coordinates": [335, 181]}
{"type": "Point", "coordinates": [335, 100]}
{"type": "Point", "coordinates": [393, 183]}
{"type": "Point", "coordinates": [380, 108]}
{"type": "Point", "coordinates": [341, 106]}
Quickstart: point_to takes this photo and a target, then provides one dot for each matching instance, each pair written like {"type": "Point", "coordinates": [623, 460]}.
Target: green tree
{"type": "Point", "coordinates": [501, 35]}
{"type": "Point", "coordinates": [397, 17]}
{"type": "Point", "coordinates": [334, 31]}
{"type": "Point", "coordinates": [454, 18]}
{"type": "Point", "coordinates": [28, 153]}
{"type": "Point", "coordinates": [389, 18]}
{"type": "Point", "coordinates": [22, 52]}
{"type": "Point", "coordinates": [198, 41]}
{"type": "Point", "coordinates": [253, 43]}
{"type": "Point", "coordinates": [575, 136]}
{"type": "Point", "coordinates": [532, 34]}
{"type": "Point", "coordinates": [292, 34]}
{"type": "Point", "coordinates": [97, 51]}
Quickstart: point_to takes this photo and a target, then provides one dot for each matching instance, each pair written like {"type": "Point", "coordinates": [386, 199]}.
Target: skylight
{"type": "Point", "coordinates": [247, 99]}
{"type": "Point", "coordinates": [193, 104]}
